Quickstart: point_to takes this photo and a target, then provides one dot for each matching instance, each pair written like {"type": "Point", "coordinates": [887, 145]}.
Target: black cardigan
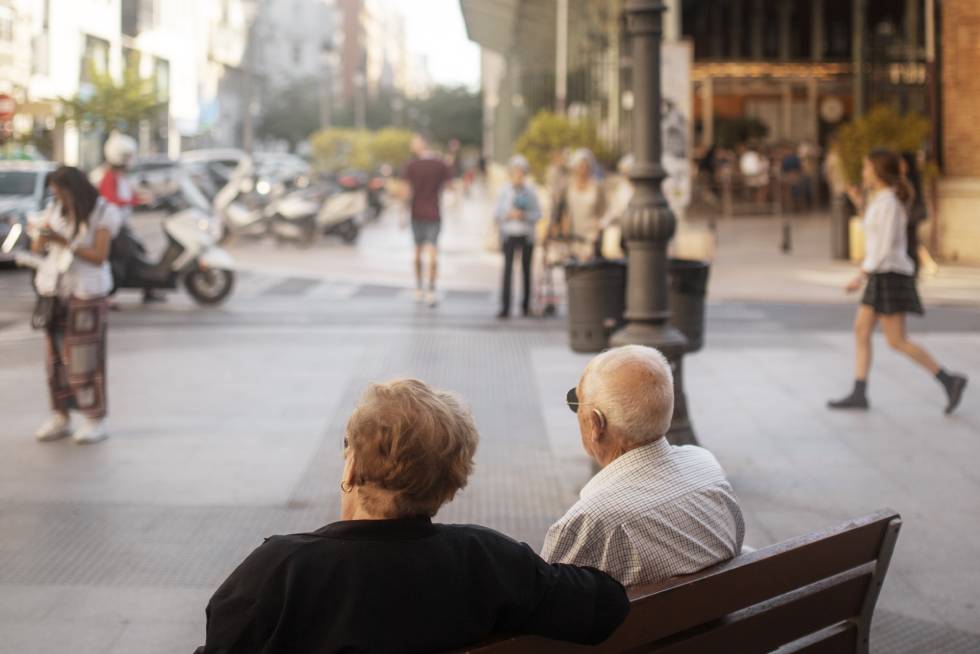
{"type": "Point", "coordinates": [403, 586]}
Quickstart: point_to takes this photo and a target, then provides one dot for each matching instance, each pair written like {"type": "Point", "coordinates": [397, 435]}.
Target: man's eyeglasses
{"type": "Point", "coordinates": [571, 397]}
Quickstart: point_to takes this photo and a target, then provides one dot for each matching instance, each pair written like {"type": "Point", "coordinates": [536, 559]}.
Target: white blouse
{"type": "Point", "coordinates": [885, 238]}
{"type": "Point", "coordinates": [82, 279]}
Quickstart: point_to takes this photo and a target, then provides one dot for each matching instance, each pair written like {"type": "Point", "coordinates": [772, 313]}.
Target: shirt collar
{"type": "Point", "coordinates": [645, 455]}
{"type": "Point", "coordinates": [399, 529]}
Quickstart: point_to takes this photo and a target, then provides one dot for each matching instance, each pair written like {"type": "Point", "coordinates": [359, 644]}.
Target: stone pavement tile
{"type": "Point", "coordinates": [953, 592]}
{"type": "Point", "coordinates": [56, 636]}
{"type": "Point", "coordinates": [898, 633]}
{"type": "Point", "coordinates": [253, 406]}
{"type": "Point", "coordinates": [900, 595]}
{"type": "Point", "coordinates": [26, 602]}
{"type": "Point", "coordinates": [160, 637]}
{"type": "Point", "coordinates": [130, 603]}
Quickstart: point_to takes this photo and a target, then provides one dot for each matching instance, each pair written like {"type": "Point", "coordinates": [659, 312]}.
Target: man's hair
{"type": "Point", "coordinates": [413, 441]}
{"type": "Point", "coordinates": [633, 387]}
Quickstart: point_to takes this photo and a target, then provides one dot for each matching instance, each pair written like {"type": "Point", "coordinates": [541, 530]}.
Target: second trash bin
{"type": "Point", "coordinates": [596, 302]}
{"type": "Point", "coordinates": [688, 286]}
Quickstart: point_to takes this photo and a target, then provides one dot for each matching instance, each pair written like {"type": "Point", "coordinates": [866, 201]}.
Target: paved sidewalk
{"type": "Point", "coordinates": [227, 426]}
{"type": "Point", "coordinates": [749, 266]}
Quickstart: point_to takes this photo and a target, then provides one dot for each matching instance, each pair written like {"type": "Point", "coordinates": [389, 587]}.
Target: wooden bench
{"type": "Point", "coordinates": [814, 594]}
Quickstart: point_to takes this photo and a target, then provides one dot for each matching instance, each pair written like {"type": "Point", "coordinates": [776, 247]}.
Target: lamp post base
{"type": "Point", "coordinates": [673, 345]}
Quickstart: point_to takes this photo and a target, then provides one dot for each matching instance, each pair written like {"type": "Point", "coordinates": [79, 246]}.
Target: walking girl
{"type": "Point", "coordinates": [82, 225]}
{"type": "Point", "coordinates": [888, 277]}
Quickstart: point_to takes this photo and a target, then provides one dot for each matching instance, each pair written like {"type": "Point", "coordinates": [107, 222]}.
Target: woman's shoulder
{"type": "Point", "coordinates": [485, 538]}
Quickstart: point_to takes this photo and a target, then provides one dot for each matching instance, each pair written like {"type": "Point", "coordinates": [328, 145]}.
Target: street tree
{"type": "Point", "coordinates": [108, 104]}
{"type": "Point", "coordinates": [292, 115]}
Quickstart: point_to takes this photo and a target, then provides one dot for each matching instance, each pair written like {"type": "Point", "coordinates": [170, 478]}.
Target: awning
{"type": "Point", "coordinates": [514, 27]}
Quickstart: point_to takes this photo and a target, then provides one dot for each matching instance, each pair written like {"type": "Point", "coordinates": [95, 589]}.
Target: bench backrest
{"type": "Point", "coordinates": [813, 594]}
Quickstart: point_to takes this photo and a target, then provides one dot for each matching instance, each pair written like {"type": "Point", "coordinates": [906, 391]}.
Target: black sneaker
{"type": "Point", "coordinates": [955, 392]}
{"type": "Point", "coordinates": [504, 314]}
{"type": "Point", "coordinates": [852, 401]}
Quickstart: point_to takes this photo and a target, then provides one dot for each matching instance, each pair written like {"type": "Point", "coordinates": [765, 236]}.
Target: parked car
{"type": "Point", "coordinates": [23, 192]}
{"type": "Point", "coordinates": [156, 176]}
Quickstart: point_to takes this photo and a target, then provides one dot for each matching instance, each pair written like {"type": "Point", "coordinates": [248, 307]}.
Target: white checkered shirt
{"type": "Point", "coordinates": [655, 512]}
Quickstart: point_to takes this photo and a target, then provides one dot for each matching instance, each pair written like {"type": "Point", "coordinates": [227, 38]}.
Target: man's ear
{"type": "Point", "coordinates": [598, 424]}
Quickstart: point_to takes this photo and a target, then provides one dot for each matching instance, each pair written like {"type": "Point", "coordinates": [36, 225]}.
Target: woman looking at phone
{"type": "Point", "coordinates": [84, 224]}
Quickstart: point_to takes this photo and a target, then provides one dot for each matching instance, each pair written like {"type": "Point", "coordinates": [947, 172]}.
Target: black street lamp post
{"type": "Point", "coordinates": [649, 224]}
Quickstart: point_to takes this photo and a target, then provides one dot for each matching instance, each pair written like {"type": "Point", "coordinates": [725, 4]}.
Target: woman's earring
{"type": "Point", "coordinates": [346, 487]}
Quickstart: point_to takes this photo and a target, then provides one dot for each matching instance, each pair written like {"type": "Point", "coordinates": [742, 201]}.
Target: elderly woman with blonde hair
{"type": "Point", "coordinates": [385, 578]}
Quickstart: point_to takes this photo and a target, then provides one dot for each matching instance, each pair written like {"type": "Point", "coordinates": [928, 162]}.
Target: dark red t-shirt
{"type": "Point", "coordinates": [427, 177]}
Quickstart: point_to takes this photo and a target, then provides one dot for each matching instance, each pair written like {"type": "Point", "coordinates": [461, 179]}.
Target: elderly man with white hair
{"type": "Point", "coordinates": [517, 214]}
{"type": "Point", "coordinates": [654, 510]}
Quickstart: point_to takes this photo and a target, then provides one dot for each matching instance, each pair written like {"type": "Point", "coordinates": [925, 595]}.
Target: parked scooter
{"type": "Point", "coordinates": [242, 204]}
{"type": "Point", "coordinates": [303, 213]}
{"type": "Point", "coordinates": [192, 255]}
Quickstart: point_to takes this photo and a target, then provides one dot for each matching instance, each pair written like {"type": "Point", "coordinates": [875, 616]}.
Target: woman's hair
{"type": "Point", "coordinates": [76, 184]}
{"type": "Point", "coordinates": [887, 166]}
{"type": "Point", "coordinates": [412, 441]}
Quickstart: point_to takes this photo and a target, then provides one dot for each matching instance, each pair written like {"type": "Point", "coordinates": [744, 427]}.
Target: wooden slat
{"type": "Point", "coordinates": [679, 604]}
{"type": "Point", "coordinates": [766, 627]}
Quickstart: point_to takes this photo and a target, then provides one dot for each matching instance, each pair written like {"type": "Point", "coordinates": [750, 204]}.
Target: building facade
{"type": "Point", "coordinates": [957, 233]}
{"type": "Point", "coordinates": [799, 67]}
{"type": "Point", "coordinates": [194, 51]}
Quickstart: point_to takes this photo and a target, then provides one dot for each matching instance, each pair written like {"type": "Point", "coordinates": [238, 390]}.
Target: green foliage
{"type": "Point", "coordinates": [732, 132]}
{"type": "Point", "coordinates": [338, 149]}
{"type": "Point", "coordinates": [882, 127]}
{"type": "Point", "coordinates": [110, 105]}
{"type": "Point", "coordinates": [391, 146]}
{"type": "Point", "coordinates": [292, 115]}
{"type": "Point", "coordinates": [449, 112]}
{"type": "Point", "coordinates": [549, 132]}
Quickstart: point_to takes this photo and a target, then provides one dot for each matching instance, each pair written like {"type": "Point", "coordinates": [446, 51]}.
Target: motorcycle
{"type": "Point", "coordinates": [240, 202]}
{"type": "Point", "coordinates": [192, 255]}
{"type": "Point", "coordinates": [303, 213]}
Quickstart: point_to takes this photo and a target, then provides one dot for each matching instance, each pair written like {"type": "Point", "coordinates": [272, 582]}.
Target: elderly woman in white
{"type": "Point", "coordinates": [654, 511]}
{"type": "Point", "coordinates": [888, 277]}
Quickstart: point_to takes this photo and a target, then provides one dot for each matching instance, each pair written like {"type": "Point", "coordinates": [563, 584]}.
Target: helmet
{"type": "Point", "coordinates": [119, 149]}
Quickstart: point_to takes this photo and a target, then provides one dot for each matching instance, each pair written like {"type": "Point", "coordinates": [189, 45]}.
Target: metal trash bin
{"type": "Point", "coordinates": [688, 288]}
{"type": "Point", "coordinates": [596, 302]}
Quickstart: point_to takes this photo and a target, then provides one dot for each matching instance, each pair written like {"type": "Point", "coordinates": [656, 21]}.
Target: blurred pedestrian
{"type": "Point", "coordinates": [426, 174]}
{"type": "Point", "coordinates": [582, 204]}
{"type": "Point", "coordinates": [790, 178]}
{"type": "Point", "coordinates": [117, 189]}
{"type": "Point", "coordinates": [517, 214]}
{"type": "Point", "coordinates": [888, 275]}
{"type": "Point", "coordinates": [754, 168]}
{"type": "Point", "coordinates": [79, 225]}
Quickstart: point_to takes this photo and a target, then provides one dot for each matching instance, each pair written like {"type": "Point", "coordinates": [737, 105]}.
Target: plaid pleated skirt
{"type": "Point", "coordinates": [890, 293]}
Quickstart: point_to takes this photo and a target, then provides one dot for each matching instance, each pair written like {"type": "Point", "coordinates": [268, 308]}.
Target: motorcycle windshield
{"type": "Point", "coordinates": [194, 196]}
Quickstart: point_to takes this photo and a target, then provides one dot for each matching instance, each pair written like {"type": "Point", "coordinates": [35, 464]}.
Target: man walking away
{"type": "Point", "coordinates": [426, 175]}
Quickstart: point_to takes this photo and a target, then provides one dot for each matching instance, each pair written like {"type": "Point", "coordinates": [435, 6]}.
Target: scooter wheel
{"type": "Point", "coordinates": [209, 286]}
{"type": "Point", "coordinates": [349, 235]}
